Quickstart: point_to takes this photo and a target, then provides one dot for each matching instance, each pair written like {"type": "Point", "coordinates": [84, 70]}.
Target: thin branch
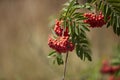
{"type": "Point", "coordinates": [66, 59]}
{"type": "Point", "coordinates": [77, 2]}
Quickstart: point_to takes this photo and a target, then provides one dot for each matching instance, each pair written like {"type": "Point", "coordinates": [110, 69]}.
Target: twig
{"type": "Point", "coordinates": [96, 9]}
{"type": "Point", "coordinates": [66, 59]}
{"type": "Point", "coordinates": [77, 2]}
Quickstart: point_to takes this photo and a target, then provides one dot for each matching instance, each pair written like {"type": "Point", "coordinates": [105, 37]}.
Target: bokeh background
{"type": "Point", "coordinates": [24, 32]}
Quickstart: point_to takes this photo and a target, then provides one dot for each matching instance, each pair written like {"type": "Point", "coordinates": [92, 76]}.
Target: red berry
{"type": "Point", "coordinates": [111, 77]}
{"type": "Point", "coordinates": [106, 68]}
{"type": "Point", "coordinates": [115, 68]}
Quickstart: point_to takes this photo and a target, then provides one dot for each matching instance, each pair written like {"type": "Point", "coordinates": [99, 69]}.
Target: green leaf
{"type": "Point", "coordinates": [113, 1]}
{"type": "Point", "coordinates": [84, 27]}
{"type": "Point", "coordinates": [116, 61]}
{"type": "Point", "coordinates": [83, 35]}
{"type": "Point", "coordinates": [52, 53]}
{"type": "Point", "coordinates": [118, 25]}
{"type": "Point", "coordinates": [72, 3]}
{"type": "Point", "coordinates": [88, 56]}
{"type": "Point", "coordinates": [111, 19]}
{"type": "Point", "coordinates": [79, 51]}
{"type": "Point", "coordinates": [91, 1]}
{"type": "Point", "coordinates": [104, 11]}
{"type": "Point", "coordinates": [88, 6]}
{"type": "Point", "coordinates": [59, 59]}
{"type": "Point", "coordinates": [76, 30]}
{"type": "Point", "coordinates": [115, 25]}
{"type": "Point", "coordinates": [85, 41]}
{"type": "Point", "coordinates": [99, 5]}
{"type": "Point", "coordinates": [77, 15]}
{"type": "Point", "coordinates": [107, 13]}
{"type": "Point", "coordinates": [108, 24]}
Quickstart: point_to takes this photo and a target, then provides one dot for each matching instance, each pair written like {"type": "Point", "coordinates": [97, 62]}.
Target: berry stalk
{"type": "Point", "coordinates": [66, 59]}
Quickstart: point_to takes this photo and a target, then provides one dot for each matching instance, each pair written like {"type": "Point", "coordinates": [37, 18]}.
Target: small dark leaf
{"type": "Point", "coordinates": [77, 15]}
{"type": "Point", "coordinates": [112, 19]}
{"type": "Point", "coordinates": [115, 25]}
{"type": "Point", "coordinates": [52, 53]}
{"type": "Point", "coordinates": [79, 52]}
{"type": "Point", "coordinates": [72, 3]}
{"type": "Point", "coordinates": [116, 61]}
{"type": "Point", "coordinates": [113, 1]}
{"type": "Point", "coordinates": [70, 27]}
{"type": "Point", "coordinates": [118, 26]}
{"type": "Point", "coordinates": [104, 12]}
{"type": "Point", "coordinates": [108, 24]}
{"type": "Point", "coordinates": [88, 6]}
{"type": "Point", "coordinates": [88, 56]}
{"type": "Point", "coordinates": [76, 31]}
{"type": "Point", "coordinates": [99, 4]}
{"type": "Point", "coordinates": [80, 18]}
{"type": "Point", "coordinates": [84, 41]}
{"type": "Point", "coordinates": [91, 1]}
{"type": "Point", "coordinates": [83, 35]}
{"type": "Point", "coordinates": [84, 28]}
{"type": "Point", "coordinates": [59, 59]}
{"type": "Point", "coordinates": [108, 12]}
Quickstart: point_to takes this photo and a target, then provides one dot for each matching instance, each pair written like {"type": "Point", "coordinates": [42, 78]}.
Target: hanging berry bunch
{"type": "Point", "coordinates": [61, 43]}
{"type": "Point", "coordinates": [107, 68]}
{"type": "Point", "coordinates": [113, 68]}
{"type": "Point", "coordinates": [69, 33]}
{"type": "Point", "coordinates": [94, 20]}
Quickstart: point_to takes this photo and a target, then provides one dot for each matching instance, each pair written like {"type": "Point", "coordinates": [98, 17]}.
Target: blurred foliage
{"type": "Point", "coordinates": [116, 58]}
{"type": "Point", "coordinates": [92, 72]}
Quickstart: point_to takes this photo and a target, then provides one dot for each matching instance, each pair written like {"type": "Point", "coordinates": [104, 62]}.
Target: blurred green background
{"type": "Point", "coordinates": [23, 42]}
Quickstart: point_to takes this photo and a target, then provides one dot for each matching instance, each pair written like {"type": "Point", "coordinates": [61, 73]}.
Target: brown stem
{"type": "Point", "coordinates": [76, 1]}
{"type": "Point", "coordinates": [66, 59]}
{"type": "Point", "coordinates": [96, 8]}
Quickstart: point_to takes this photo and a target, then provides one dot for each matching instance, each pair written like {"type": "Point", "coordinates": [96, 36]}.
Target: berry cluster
{"type": "Point", "coordinates": [108, 69]}
{"type": "Point", "coordinates": [61, 44]}
{"type": "Point", "coordinates": [94, 20]}
{"type": "Point", "coordinates": [112, 77]}
{"type": "Point", "coordinates": [58, 29]}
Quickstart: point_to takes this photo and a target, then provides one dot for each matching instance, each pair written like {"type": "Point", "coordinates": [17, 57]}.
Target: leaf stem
{"type": "Point", "coordinates": [77, 1]}
{"type": "Point", "coordinates": [66, 59]}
